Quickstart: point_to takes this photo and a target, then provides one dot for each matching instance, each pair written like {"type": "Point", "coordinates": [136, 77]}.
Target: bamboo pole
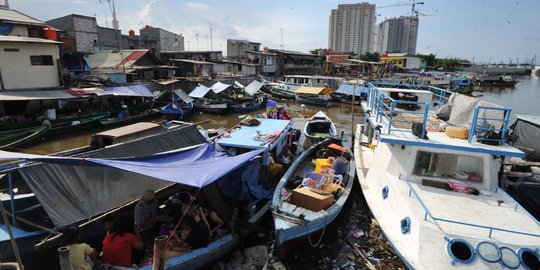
{"type": "Point", "coordinates": [160, 246]}
{"type": "Point", "coordinates": [63, 255]}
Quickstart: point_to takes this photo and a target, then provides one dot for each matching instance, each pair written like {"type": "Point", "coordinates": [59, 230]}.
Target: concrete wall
{"type": "Point", "coordinates": [108, 38]}
{"type": "Point", "coordinates": [86, 34]}
{"type": "Point", "coordinates": [17, 71]}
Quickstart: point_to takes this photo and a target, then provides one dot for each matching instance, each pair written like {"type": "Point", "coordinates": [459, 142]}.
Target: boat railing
{"type": "Point", "coordinates": [477, 130]}
{"type": "Point", "coordinates": [440, 94]}
{"type": "Point", "coordinates": [428, 214]}
{"type": "Point", "coordinates": [385, 108]}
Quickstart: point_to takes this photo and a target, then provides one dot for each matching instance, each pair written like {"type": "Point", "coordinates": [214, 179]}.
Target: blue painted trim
{"type": "Point", "coordinates": [451, 147]}
{"type": "Point", "coordinates": [405, 261]}
{"type": "Point", "coordinates": [405, 225]}
{"type": "Point", "coordinates": [505, 264]}
{"type": "Point", "coordinates": [499, 255]}
{"type": "Point", "coordinates": [12, 200]}
{"type": "Point", "coordinates": [385, 192]}
{"type": "Point", "coordinates": [520, 256]}
{"type": "Point", "coordinates": [451, 254]}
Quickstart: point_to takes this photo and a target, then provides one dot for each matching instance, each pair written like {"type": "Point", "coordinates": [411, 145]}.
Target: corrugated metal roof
{"type": "Point", "coordinates": [253, 87]}
{"type": "Point", "coordinates": [137, 90]}
{"type": "Point", "coordinates": [313, 90]}
{"type": "Point", "coordinates": [34, 95]}
{"type": "Point", "coordinates": [14, 16]}
{"type": "Point", "coordinates": [27, 39]}
{"type": "Point", "coordinates": [192, 61]}
{"type": "Point", "coordinates": [533, 119]}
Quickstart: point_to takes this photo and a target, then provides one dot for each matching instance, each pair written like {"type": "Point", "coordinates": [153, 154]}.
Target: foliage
{"type": "Point", "coordinates": [449, 64]}
{"type": "Point", "coordinates": [430, 59]}
{"type": "Point", "coordinates": [373, 57]}
{"type": "Point", "coordinates": [316, 51]}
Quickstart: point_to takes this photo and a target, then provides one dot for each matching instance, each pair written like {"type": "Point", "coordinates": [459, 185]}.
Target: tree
{"type": "Point", "coordinates": [372, 57]}
{"type": "Point", "coordinates": [316, 51]}
{"type": "Point", "coordinates": [430, 59]}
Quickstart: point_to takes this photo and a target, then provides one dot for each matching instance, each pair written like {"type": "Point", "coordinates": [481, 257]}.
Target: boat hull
{"type": "Point", "coordinates": [281, 93]}
{"type": "Point", "coordinates": [211, 108]}
{"type": "Point", "coordinates": [288, 225]}
{"type": "Point", "coordinates": [313, 101]}
{"type": "Point", "coordinates": [129, 119]}
{"type": "Point", "coordinates": [171, 113]}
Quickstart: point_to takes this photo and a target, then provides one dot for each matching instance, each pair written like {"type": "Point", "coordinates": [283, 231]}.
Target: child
{"type": "Point", "coordinates": [81, 255]}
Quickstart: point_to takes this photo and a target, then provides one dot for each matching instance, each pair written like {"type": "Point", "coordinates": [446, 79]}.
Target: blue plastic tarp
{"type": "Point", "coordinates": [347, 89]}
{"type": "Point", "coordinates": [6, 28]}
{"type": "Point", "coordinates": [139, 90]}
{"type": "Point", "coordinates": [195, 167]}
{"type": "Point", "coordinates": [243, 184]}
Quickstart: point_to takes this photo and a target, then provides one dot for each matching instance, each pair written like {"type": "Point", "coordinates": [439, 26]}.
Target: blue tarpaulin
{"type": "Point", "coordinates": [347, 89]}
{"type": "Point", "coordinates": [6, 28]}
{"type": "Point", "coordinates": [195, 167]}
{"type": "Point", "coordinates": [139, 90]}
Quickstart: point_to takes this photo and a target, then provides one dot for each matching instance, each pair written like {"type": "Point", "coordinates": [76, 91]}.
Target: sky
{"type": "Point", "coordinates": [484, 31]}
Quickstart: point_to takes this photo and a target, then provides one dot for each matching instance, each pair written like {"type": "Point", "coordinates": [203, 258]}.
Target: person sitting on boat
{"type": "Point", "coordinates": [119, 244]}
{"type": "Point", "coordinates": [81, 255]}
{"type": "Point", "coordinates": [195, 234]}
{"type": "Point", "coordinates": [213, 220]}
{"type": "Point", "coordinates": [461, 188]}
{"type": "Point", "coordinates": [146, 217]}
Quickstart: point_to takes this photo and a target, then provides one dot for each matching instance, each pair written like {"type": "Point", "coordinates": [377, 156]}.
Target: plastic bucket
{"type": "Point", "coordinates": [340, 165]}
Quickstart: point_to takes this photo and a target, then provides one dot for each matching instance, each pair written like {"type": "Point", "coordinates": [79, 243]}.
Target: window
{"type": "Point", "coordinates": [41, 60]}
{"type": "Point", "coordinates": [11, 49]}
{"type": "Point", "coordinates": [466, 168]}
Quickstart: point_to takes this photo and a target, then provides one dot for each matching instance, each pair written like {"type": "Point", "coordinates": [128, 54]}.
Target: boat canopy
{"type": "Point", "coordinates": [35, 95]}
{"type": "Point", "coordinates": [219, 87]}
{"type": "Point", "coordinates": [139, 90]}
{"type": "Point", "coordinates": [525, 136]}
{"type": "Point", "coordinates": [199, 92]}
{"type": "Point", "coordinates": [313, 90]}
{"type": "Point", "coordinates": [347, 89]}
{"type": "Point", "coordinates": [73, 189]}
{"type": "Point", "coordinates": [253, 87]}
{"type": "Point", "coordinates": [183, 96]}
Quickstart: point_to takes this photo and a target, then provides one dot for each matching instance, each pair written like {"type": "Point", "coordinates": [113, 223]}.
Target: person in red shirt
{"type": "Point", "coordinates": [119, 244]}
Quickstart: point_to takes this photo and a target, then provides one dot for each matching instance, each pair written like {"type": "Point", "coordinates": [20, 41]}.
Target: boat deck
{"type": "Point", "coordinates": [461, 209]}
{"type": "Point", "coordinates": [243, 136]}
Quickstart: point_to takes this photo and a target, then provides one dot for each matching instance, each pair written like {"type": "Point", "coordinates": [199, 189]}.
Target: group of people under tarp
{"type": "Point", "coordinates": [127, 241]}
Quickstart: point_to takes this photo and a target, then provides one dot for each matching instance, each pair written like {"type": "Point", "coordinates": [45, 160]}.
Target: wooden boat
{"type": "Point", "coordinates": [247, 106]}
{"type": "Point", "coordinates": [32, 124]}
{"type": "Point", "coordinates": [318, 96]}
{"type": "Point", "coordinates": [280, 93]}
{"type": "Point", "coordinates": [22, 137]}
{"type": "Point", "coordinates": [211, 106]}
{"type": "Point", "coordinates": [180, 106]}
{"type": "Point", "coordinates": [201, 257]}
{"type": "Point", "coordinates": [32, 222]}
{"type": "Point", "coordinates": [408, 179]}
{"type": "Point", "coordinates": [77, 125]}
{"type": "Point", "coordinates": [111, 121]}
{"type": "Point", "coordinates": [318, 128]}
{"type": "Point", "coordinates": [292, 221]}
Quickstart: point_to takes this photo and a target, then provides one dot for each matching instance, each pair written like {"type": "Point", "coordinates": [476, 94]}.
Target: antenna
{"type": "Point", "coordinates": [281, 46]}
{"type": "Point", "coordinates": [211, 40]}
{"type": "Point", "coordinates": [114, 20]}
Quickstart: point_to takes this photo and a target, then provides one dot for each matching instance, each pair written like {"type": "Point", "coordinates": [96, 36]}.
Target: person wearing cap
{"type": "Point", "coordinates": [146, 217]}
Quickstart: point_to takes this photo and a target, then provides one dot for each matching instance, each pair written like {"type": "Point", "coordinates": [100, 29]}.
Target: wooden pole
{"type": "Point", "coordinates": [352, 106]}
{"type": "Point", "coordinates": [160, 246]}
{"type": "Point", "coordinates": [63, 255]}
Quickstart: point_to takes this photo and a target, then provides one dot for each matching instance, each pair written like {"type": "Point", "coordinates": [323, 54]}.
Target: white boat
{"type": "Point", "coordinates": [318, 128]}
{"type": "Point", "coordinates": [428, 226]}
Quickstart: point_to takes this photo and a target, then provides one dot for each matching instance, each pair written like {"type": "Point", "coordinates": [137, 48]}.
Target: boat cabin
{"type": "Point", "coordinates": [314, 81]}
{"type": "Point", "coordinates": [270, 134]}
{"type": "Point", "coordinates": [123, 134]}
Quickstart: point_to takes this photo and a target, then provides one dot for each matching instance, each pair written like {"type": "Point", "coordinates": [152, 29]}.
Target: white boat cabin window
{"type": "Point", "coordinates": [460, 167]}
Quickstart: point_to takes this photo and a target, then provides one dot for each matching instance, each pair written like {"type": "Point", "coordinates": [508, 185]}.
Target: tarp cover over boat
{"type": "Point", "coordinates": [183, 96]}
{"type": "Point", "coordinates": [219, 87]}
{"type": "Point", "coordinates": [199, 92]}
{"type": "Point", "coordinates": [460, 111]}
{"type": "Point", "coordinates": [253, 87]}
{"type": "Point", "coordinates": [75, 199]}
{"type": "Point", "coordinates": [313, 90]}
{"type": "Point", "coordinates": [139, 90]}
{"type": "Point", "coordinates": [347, 89]}
{"type": "Point", "coordinates": [526, 136]}
{"type": "Point", "coordinates": [526, 191]}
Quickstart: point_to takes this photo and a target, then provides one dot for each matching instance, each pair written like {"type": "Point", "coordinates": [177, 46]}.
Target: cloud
{"type": "Point", "coordinates": [144, 13]}
{"type": "Point", "coordinates": [197, 6]}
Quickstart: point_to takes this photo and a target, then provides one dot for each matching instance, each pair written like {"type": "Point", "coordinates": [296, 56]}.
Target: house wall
{"type": "Point", "coordinates": [108, 38]}
{"type": "Point", "coordinates": [17, 70]}
{"type": "Point", "coordinates": [86, 34]}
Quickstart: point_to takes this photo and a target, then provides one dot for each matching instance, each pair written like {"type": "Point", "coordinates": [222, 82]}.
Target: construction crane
{"type": "Point", "coordinates": [413, 5]}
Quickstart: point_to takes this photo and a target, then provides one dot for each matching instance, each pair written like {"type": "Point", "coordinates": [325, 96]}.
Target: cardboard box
{"type": "Point", "coordinates": [308, 199]}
